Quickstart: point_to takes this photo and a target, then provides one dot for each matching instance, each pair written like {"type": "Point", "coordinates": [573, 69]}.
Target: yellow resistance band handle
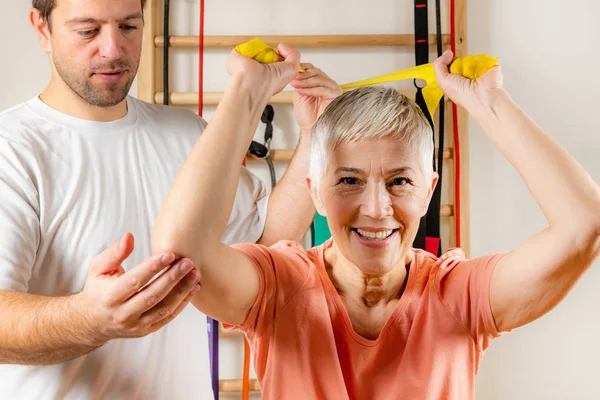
{"type": "Point", "coordinates": [258, 50]}
{"type": "Point", "coordinates": [471, 67]}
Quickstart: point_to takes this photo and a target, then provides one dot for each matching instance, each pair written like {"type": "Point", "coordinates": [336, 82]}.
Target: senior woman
{"type": "Point", "coordinates": [366, 316]}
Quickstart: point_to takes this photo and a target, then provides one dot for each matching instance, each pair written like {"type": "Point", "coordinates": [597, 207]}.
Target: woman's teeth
{"type": "Point", "coordinates": [375, 235]}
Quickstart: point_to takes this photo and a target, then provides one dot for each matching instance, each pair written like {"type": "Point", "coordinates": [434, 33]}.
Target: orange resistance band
{"type": "Point", "coordinates": [246, 376]}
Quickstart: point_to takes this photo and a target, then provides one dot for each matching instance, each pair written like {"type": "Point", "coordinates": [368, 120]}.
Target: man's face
{"type": "Point", "coordinates": [95, 47]}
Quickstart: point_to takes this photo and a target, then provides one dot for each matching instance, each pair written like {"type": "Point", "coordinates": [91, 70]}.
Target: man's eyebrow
{"type": "Point", "coordinates": [133, 16]}
{"type": "Point", "coordinates": [84, 20]}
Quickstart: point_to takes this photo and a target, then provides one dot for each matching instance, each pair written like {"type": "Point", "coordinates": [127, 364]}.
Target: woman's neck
{"type": "Point", "coordinates": [368, 290]}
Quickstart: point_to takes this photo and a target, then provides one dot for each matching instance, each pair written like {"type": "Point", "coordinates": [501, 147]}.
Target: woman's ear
{"type": "Point", "coordinates": [430, 189]}
{"type": "Point", "coordinates": [314, 193]}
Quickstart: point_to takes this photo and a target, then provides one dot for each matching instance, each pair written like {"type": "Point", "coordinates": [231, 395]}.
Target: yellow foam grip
{"type": "Point", "coordinates": [258, 50]}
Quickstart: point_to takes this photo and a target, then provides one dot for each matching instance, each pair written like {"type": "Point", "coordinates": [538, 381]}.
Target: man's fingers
{"type": "Point", "coordinates": [160, 324]}
{"type": "Point", "coordinates": [111, 258]}
{"type": "Point", "coordinates": [179, 297]}
{"type": "Point", "coordinates": [183, 272]}
{"type": "Point", "coordinates": [133, 280]}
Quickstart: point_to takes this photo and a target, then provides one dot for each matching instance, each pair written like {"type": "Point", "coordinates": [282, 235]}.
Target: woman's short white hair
{"type": "Point", "coordinates": [369, 113]}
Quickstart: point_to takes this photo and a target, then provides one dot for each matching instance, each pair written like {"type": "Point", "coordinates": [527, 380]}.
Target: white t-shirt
{"type": "Point", "coordinates": [69, 188]}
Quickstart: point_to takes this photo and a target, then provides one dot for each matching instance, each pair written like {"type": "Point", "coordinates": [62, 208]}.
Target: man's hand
{"type": "Point", "coordinates": [314, 90]}
{"type": "Point", "coordinates": [121, 304]}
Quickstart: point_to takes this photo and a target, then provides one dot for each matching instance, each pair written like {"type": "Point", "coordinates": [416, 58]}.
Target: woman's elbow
{"type": "Point", "coordinates": [163, 239]}
{"type": "Point", "coordinates": [585, 241]}
{"type": "Point", "coordinates": [180, 242]}
{"type": "Point", "coordinates": [595, 237]}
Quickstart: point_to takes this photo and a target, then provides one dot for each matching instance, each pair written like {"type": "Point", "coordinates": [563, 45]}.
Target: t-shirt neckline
{"type": "Point", "coordinates": [82, 125]}
{"type": "Point", "coordinates": [334, 296]}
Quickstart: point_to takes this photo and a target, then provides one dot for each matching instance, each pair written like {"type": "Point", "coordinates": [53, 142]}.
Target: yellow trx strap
{"type": "Point", "coordinates": [471, 67]}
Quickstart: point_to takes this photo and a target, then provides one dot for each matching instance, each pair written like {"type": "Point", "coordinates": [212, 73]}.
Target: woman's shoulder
{"type": "Point", "coordinates": [428, 266]}
{"type": "Point", "coordinates": [453, 266]}
{"type": "Point", "coordinates": [283, 254]}
{"type": "Point", "coordinates": [448, 259]}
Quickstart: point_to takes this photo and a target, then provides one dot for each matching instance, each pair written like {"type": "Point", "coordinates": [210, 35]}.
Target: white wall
{"type": "Point", "coordinates": [24, 69]}
{"type": "Point", "coordinates": [548, 54]}
{"type": "Point", "coordinates": [551, 63]}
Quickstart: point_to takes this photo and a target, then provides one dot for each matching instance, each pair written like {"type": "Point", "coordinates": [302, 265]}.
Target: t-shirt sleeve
{"type": "Point", "coordinates": [19, 219]}
{"type": "Point", "coordinates": [283, 270]}
{"type": "Point", "coordinates": [464, 289]}
{"type": "Point", "coordinates": [249, 213]}
{"type": "Point", "coordinates": [201, 122]}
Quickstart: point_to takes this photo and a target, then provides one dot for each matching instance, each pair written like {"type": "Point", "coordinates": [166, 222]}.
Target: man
{"type": "Point", "coordinates": [81, 164]}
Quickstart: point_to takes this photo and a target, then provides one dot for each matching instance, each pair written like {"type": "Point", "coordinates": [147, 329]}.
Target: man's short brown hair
{"type": "Point", "coordinates": [45, 7]}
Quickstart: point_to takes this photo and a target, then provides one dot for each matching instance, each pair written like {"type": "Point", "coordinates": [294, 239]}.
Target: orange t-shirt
{"type": "Point", "coordinates": [304, 346]}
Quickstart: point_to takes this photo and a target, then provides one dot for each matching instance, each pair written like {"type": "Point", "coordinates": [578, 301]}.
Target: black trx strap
{"type": "Point", "coordinates": [437, 194]}
{"type": "Point", "coordinates": [263, 150]}
{"type": "Point", "coordinates": [421, 57]}
{"type": "Point", "coordinates": [428, 235]}
{"type": "Point", "coordinates": [421, 32]}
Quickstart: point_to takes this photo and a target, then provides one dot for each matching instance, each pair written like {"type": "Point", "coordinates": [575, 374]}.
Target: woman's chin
{"type": "Point", "coordinates": [372, 256]}
{"type": "Point", "coordinates": [375, 265]}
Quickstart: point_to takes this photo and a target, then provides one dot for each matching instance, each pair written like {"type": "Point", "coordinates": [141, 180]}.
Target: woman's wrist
{"type": "Point", "coordinates": [249, 87]}
{"type": "Point", "coordinates": [487, 104]}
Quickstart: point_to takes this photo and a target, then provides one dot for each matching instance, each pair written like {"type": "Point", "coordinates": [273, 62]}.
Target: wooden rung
{"type": "Point", "coordinates": [287, 154]}
{"type": "Point", "coordinates": [448, 153]}
{"type": "Point", "coordinates": [300, 40]}
{"type": "Point", "coordinates": [213, 98]}
{"type": "Point", "coordinates": [276, 155]}
{"type": "Point", "coordinates": [446, 210]}
{"type": "Point", "coordinates": [235, 385]}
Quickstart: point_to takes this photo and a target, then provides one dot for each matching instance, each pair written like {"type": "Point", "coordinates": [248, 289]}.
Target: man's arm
{"type": "Point", "coordinates": [38, 330]}
{"type": "Point", "coordinates": [42, 330]}
{"type": "Point", "coordinates": [530, 281]}
{"type": "Point", "coordinates": [290, 200]}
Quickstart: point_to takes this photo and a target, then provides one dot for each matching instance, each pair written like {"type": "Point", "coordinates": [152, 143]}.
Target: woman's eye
{"type": "Point", "coordinates": [398, 182]}
{"type": "Point", "coordinates": [349, 181]}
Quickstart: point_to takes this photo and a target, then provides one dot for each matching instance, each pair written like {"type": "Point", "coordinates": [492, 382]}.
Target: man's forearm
{"type": "Point", "coordinates": [40, 330]}
{"type": "Point", "coordinates": [290, 200]}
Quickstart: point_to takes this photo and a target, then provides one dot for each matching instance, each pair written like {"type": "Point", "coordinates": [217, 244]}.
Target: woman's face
{"type": "Point", "coordinates": [374, 194]}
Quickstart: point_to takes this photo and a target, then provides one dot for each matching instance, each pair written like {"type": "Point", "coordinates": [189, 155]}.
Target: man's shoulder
{"type": "Point", "coordinates": [11, 112]}
{"type": "Point", "coordinates": [167, 115]}
{"type": "Point", "coordinates": [18, 123]}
